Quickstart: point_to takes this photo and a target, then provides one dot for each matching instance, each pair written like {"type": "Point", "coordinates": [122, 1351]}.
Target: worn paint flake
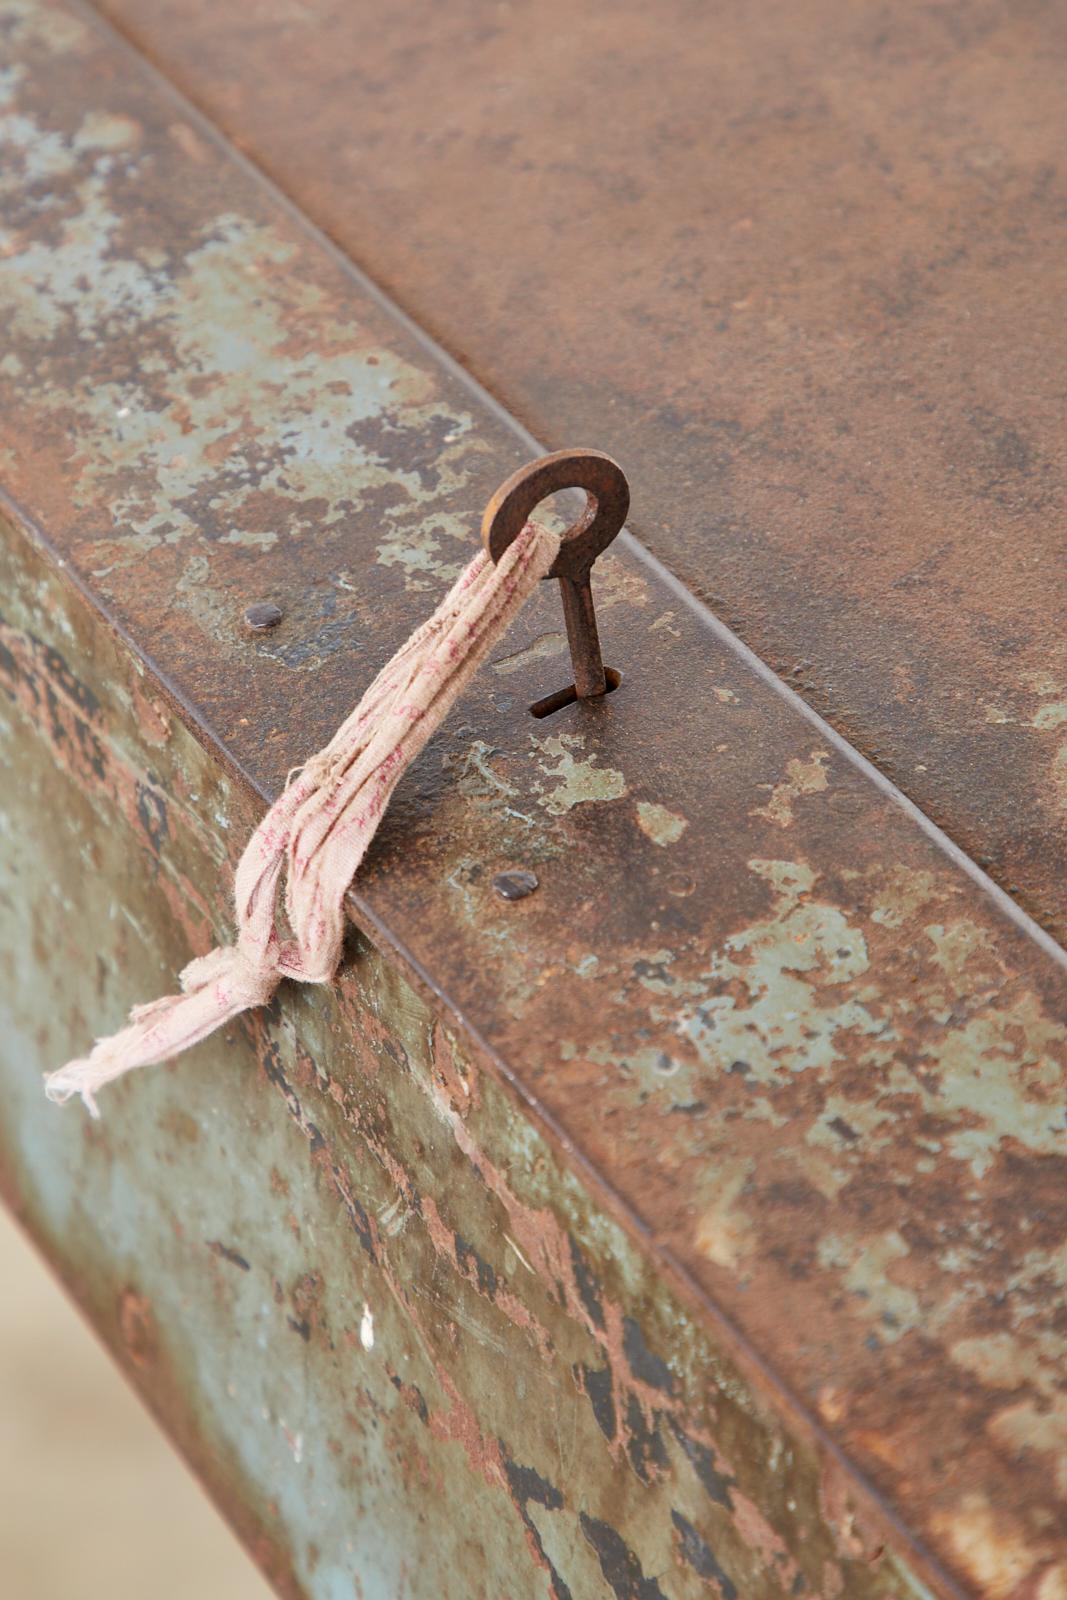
{"type": "Point", "coordinates": [578, 780]}
{"type": "Point", "coordinates": [802, 778]}
{"type": "Point", "coordinates": [663, 827]}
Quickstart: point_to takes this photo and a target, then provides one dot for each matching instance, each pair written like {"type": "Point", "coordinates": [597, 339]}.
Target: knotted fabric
{"type": "Point", "coordinates": [319, 828]}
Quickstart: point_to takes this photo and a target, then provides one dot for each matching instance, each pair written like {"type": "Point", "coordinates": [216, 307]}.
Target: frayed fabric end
{"type": "Point", "coordinates": [76, 1077]}
{"type": "Point", "coordinates": [215, 988]}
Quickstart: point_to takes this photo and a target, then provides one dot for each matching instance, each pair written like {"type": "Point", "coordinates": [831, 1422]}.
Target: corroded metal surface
{"type": "Point", "coordinates": [799, 1073]}
{"type": "Point", "coordinates": [800, 267]}
{"type": "Point", "coordinates": [410, 1354]}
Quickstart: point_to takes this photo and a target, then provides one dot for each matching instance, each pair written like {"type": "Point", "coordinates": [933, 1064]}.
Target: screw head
{"type": "Point", "coordinates": [515, 885]}
{"type": "Point", "coordinates": [263, 616]}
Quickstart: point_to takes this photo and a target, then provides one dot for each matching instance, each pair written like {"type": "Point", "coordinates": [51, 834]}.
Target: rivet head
{"type": "Point", "coordinates": [681, 884]}
{"type": "Point", "coordinates": [263, 616]}
{"type": "Point", "coordinates": [515, 885]}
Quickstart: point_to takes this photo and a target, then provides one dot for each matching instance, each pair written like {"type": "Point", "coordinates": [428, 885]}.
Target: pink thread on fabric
{"type": "Point", "coordinates": [321, 824]}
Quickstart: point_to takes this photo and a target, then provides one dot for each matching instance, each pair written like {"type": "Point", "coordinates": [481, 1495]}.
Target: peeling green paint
{"type": "Point", "coordinates": [660, 825]}
{"type": "Point", "coordinates": [577, 779]}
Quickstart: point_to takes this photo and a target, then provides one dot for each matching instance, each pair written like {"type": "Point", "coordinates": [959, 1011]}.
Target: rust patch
{"type": "Point", "coordinates": [832, 362]}
{"type": "Point", "coordinates": [137, 1328]}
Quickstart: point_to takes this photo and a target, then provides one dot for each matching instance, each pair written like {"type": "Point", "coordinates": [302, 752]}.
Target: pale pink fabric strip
{"type": "Point", "coordinates": [321, 824]}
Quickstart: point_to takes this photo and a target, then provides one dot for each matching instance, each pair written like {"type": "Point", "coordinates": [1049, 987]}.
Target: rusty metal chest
{"type": "Point", "coordinates": [694, 1225]}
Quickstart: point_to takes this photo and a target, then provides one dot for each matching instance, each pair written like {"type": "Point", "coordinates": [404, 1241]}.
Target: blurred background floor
{"type": "Point", "coordinates": [93, 1501]}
